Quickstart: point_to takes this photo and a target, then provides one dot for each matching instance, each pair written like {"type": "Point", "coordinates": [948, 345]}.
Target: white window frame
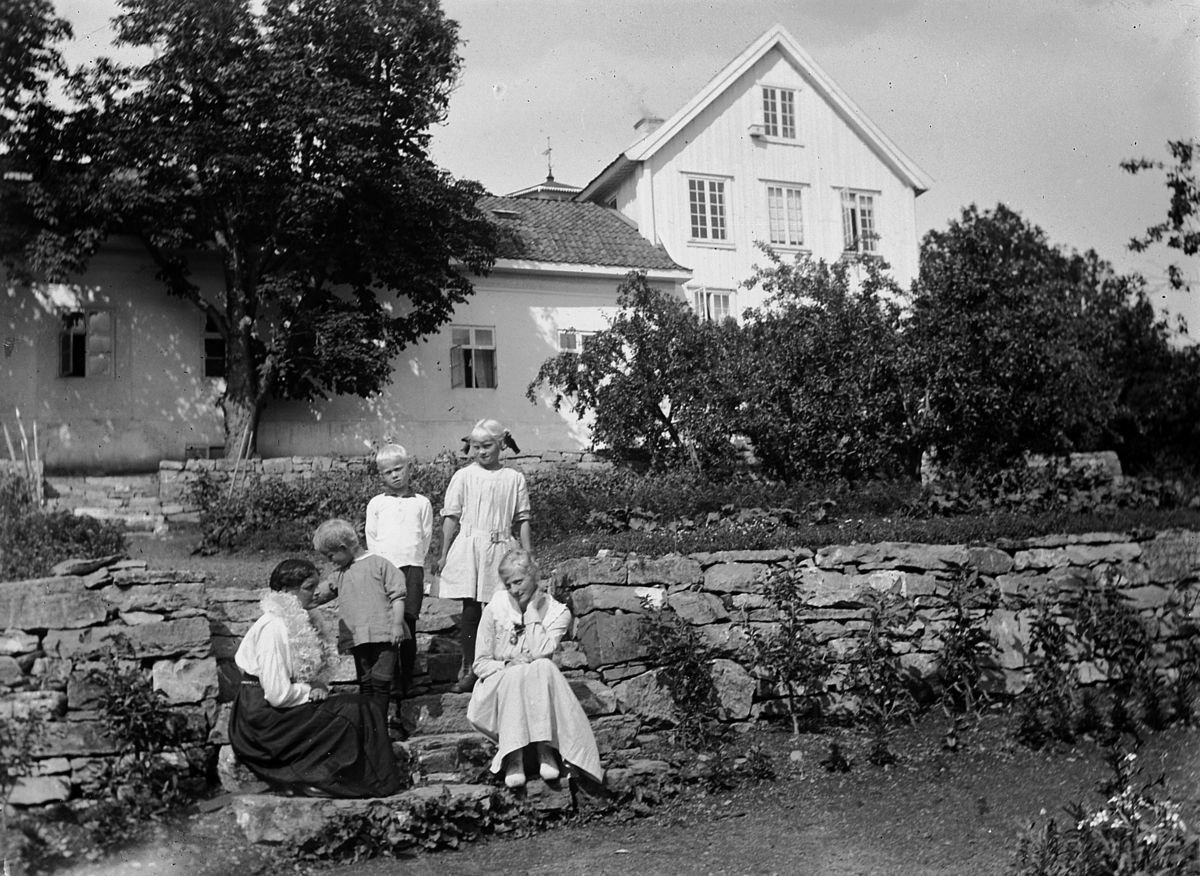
{"type": "Point", "coordinates": [708, 215]}
{"type": "Point", "coordinates": [210, 336]}
{"type": "Point", "coordinates": [86, 348]}
{"type": "Point", "coordinates": [572, 340]}
{"type": "Point", "coordinates": [468, 351]}
{"type": "Point", "coordinates": [712, 305]}
{"type": "Point", "coordinates": [860, 230]}
{"type": "Point", "coordinates": [779, 112]}
{"type": "Point", "coordinates": [785, 222]}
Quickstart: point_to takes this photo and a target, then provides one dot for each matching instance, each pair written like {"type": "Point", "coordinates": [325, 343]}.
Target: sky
{"type": "Point", "coordinates": [1033, 103]}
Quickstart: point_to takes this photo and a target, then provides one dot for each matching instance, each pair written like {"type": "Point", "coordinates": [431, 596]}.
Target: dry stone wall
{"type": "Point", "coordinates": [56, 633]}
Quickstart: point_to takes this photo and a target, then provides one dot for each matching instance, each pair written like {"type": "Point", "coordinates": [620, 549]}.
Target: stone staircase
{"type": "Point", "coordinates": [453, 796]}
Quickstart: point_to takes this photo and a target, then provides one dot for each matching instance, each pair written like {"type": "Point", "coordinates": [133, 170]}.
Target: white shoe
{"type": "Point", "coordinates": [514, 774]}
{"type": "Point", "coordinates": [546, 763]}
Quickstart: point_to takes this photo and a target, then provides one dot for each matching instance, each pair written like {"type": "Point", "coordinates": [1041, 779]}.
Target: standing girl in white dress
{"type": "Point", "coordinates": [483, 502]}
{"type": "Point", "coordinates": [522, 699]}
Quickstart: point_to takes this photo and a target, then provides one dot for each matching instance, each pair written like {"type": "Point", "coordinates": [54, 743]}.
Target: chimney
{"type": "Point", "coordinates": [647, 125]}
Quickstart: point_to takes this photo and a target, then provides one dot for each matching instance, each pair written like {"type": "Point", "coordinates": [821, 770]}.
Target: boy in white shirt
{"type": "Point", "coordinates": [399, 528]}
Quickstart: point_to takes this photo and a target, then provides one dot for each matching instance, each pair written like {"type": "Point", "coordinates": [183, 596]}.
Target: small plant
{"type": "Point", "coordinates": [968, 646]}
{"type": "Point", "coordinates": [887, 697]}
{"type": "Point", "coordinates": [1138, 831]}
{"type": "Point", "coordinates": [835, 761]}
{"type": "Point", "coordinates": [789, 655]}
{"type": "Point", "coordinates": [142, 782]}
{"type": "Point", "coordinates": [1047, 706]}
{"type": "Point", "coordinates": [18, 735]}
{"type": "Point", "coordinates": [687, 660]}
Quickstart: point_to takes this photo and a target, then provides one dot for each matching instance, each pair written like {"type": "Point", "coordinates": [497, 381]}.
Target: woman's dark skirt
{"type": "Point", "coordinates": [338, 747]}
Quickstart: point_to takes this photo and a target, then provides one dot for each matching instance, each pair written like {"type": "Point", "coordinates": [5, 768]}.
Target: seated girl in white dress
{"type": "Point", "coordinates": [521, 697]}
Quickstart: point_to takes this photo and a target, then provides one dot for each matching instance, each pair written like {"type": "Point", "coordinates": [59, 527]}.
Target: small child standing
{"type": "Point", "coordinates": [399, 529]}
{"type": "Point", "coordinates": [370, 594]}
{"type": "Point", "coordinates": [483, 502]}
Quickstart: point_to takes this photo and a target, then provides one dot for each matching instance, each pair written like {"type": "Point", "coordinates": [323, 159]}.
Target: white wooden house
{"type": "Point", "coordinates": [769, 150]}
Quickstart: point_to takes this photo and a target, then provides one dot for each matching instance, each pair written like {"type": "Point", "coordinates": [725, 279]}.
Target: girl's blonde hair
{"type": "Point", "coordinates": [519, 558]}
{"type": "Point", "coordinates": [488, 429]}
{"type": "Point", "coordinates": [335, 533]}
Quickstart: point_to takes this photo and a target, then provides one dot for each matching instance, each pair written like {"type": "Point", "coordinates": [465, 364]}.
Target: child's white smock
{"type": "Point", "coordinates": [486, 503]}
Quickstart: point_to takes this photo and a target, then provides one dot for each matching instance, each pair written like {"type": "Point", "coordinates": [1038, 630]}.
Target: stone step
{"type": "Point", "coordinates": [131, 520]}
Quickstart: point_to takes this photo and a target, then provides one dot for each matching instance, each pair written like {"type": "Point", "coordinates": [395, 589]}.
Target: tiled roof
{"type": "Point", "coordinates": [566, 232]}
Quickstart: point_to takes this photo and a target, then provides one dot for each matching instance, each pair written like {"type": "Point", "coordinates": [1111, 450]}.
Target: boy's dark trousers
{"type": "Point", "coordinates": [414, 586]}
{"type": "Point", "coordinates": [375, 667]}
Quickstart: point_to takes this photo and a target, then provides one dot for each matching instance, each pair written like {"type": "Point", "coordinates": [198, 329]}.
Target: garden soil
{"type": "Point", "coordinates": [951, 806]}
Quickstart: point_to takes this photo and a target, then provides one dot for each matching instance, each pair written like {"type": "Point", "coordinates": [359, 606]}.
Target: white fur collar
{"type": "Point", "coordinates": [310, 657]}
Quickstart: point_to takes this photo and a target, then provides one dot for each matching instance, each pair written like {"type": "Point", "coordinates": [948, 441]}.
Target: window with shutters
{"type": "Point", "coordinates": [86, 344]}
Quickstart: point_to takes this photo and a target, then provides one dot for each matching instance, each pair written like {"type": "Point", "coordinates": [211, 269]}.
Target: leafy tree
{"type": "Point", "coordinates": [818, 389]}
{"type": "Point", "coordinates": [999, 353]}
{"type": "Point", "coordinates": [1180, 229]}
{"type": "Point", "coordinates": [293, 143]}
{"type": "Point", "coordinates": [649, 379]}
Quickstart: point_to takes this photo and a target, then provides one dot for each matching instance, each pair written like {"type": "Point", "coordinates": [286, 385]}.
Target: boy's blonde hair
{"type": "Point", "coordinates": [519, 558]}
{"type": "Point", "coordinates": [335, 533]}
{"type": "Point", "coordinates": [391, 453]}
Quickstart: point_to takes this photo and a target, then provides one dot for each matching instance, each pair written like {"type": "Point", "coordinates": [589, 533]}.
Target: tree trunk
{"type": "Point", "coordinates": [243, 400]}
{"type": "Point", "coordinates": [241, 425]}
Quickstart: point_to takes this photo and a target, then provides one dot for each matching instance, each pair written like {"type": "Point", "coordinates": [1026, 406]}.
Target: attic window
{"type": "Point", "coordinates": [506, 214]}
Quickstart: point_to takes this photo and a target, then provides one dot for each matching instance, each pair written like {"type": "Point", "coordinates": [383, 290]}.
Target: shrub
{"type": "Point", "coordinates": [1138, 831]}
{"type": "Point", "coordinates": [33, 542]}
{"type": "Point", "coordinates": [686, 661]}
{"type": "Point", "coordinates": [968, 648]}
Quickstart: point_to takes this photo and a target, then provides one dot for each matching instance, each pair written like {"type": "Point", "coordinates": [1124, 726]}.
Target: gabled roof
{"type": "Point", "coordinates": [775, 38]}
{"type": "Point", "coordinates": [551, 189]}
{"type": "Point", "coordinates": [571, 233]}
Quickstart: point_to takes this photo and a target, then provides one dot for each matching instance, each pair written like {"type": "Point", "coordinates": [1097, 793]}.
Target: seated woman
{"type": "Point", "coordinates": [521, 697]}
{"type": "Point", "coordinates": [284, 724]}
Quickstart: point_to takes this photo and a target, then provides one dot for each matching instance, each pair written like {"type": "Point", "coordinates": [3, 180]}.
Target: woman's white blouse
{"type": "Point", "coordinates": [546, 621]}
{"type": "Point", "coordinates": [265, 652]}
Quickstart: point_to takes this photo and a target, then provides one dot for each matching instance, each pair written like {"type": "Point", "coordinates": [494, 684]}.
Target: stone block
{"type": "Point", "coordinates": [225, 614]}
{"type": "Point", "coordinates": [595, 697]}
{"type": "Point", "coordinates": [16, 642]}
{"type": "Point", "coordinates": [83, 566]}
{"type": "Point", "coordinates": [735, 689]}
{"type": "Point", "coordinates": [39, 790]}
{"type": "Point", "coordinates": [10, 671]}
{"type": "Point", "coordinates": [439, 615]}
{"type": "Point", "coordinates": [1040, 559]}
{"type": "Point", "coordinates": [73, 738]}
{"type": "Point", "coordinates": [234, 594]}
{"type": "Point", "coordinates": [613, 674]}
{"type": "Point", "coordinates": [219, 733]}
{"type": "Point", "coordinates": [989, 561]}
{"type": "Point", "coordinates": [174, 597]}
{"type": "Point", "coordinates": [186, 680]}
{"type": "Point", "coordinates": [131, 577]}
{"type": "Point", "coordinates": [20, 705]}
{"type": "Point", "coordinates": [1143, 598]}
{"type": "Point", "coordinates": [615, 732]}
{"type": "Point", "coordinates": [824, 588]}
{"type": "Point", "coordinates": [570, 656]}
{"type": "Point", "coordinates": [893, 555]}
{"type": "Point", "coordinates": [648, 697]}
{"type": "Point", "coordinates": [734, 577]}
{"type": "Point", "coordinates": [186, 636]}
{"type": "Point", "coordinates": [236, 777]}
{"type": "Point", "coordinates": [136, 618]}
{"type": "Point", "coordinates": [672, 571]}
{"type": "Point", "coordinates": [609, 597]}
{"type": "Point", "coordinates": [580, 572]}
{"type": "Point", "coordinates": [84, 691]}
{"type": "Point", "coordinates": [42, 603]}
{"type": "Point", "coordinates": [770, 557]}
{"type": "Point", "coordinates": [611, 638]}
{"type": "Point", "coordinates": [437, 713]}
{"type": "Point", "coordinates": [698, 608]}
{"type": "Point", "coordinates": [1172, 556]}
{"type": "Point", "coordinates": [52, 766]}
{"type": "Point", "coordinates": [1012, 634]}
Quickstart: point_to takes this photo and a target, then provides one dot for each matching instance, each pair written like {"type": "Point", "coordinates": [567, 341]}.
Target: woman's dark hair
{"type": "Point", "coordinates": [290, 574]}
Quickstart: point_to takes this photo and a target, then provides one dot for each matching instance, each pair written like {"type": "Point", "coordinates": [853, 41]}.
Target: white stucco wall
{"type": "Point", "coordinates": [157, 402]}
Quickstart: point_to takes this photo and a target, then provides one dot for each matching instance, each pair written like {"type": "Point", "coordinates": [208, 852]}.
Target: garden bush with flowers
{"type": "Point", "coordinates": [1138, 831]}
